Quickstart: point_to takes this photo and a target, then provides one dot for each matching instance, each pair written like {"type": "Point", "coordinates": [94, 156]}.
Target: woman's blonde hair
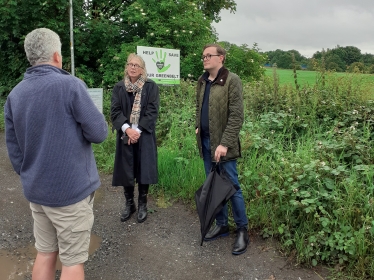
{"type": "Point", "coordinates": [142, 63]}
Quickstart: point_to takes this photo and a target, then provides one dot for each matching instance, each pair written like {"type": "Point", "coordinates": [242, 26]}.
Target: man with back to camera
{"type": "Point", "coordinates": [50, 123]}
{"type": "Point", "coordinates": [219, 118]}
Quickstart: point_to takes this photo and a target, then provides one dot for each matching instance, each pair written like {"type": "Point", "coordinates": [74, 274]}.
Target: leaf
{"type": "Point", "coordinates": [361, 167]}
{"type": "Point", "coordinates": [326, 168]}
{"type": "Point", "coordinates": [281, 230]}
{"type": "Point", "coordinates": [341, 168]}
{"type": "Point", "coordinates": [335, 172]}
{"type": "Point", "coordinates": [329, 183]}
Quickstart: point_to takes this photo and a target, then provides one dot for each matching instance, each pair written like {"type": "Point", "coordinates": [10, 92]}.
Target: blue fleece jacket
{"type": "Point", "coordinates": [50, 123]}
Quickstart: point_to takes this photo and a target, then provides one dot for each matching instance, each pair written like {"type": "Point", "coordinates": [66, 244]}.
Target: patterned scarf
{"type": "Point", "coordinates": [136, 89]}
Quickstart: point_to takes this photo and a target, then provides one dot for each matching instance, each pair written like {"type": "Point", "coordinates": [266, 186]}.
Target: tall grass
{"type": "Point", "coordinates": [105, 152]}
{"type": "Point", "coordinates": [180, 168]}
{"type": "Point", "coordinates": [307, 171]}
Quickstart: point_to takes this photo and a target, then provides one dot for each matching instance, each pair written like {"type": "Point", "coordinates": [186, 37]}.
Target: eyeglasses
{"type": "Point", "coordinates": [136, 66]}
{"type": "Point", "coordinates": [209, 56]}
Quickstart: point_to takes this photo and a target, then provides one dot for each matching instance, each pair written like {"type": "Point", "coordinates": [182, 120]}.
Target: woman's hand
{"type": "Point", "coordinates": [133, 136]}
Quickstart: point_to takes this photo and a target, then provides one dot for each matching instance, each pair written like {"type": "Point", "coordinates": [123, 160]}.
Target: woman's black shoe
{"type": "Point", "coordinates": [142, 207]}
{"type": "Point", "coordinates": [129, 210]}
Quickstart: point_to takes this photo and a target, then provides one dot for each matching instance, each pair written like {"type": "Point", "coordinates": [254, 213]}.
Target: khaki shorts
{"type": "Point", "coordinates": [65, 229]}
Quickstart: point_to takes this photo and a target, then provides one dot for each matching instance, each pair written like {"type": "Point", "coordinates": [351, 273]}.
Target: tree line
{"type": "Point", "coordinates": [105, 32]}
{"type": "Point", "coordinates": [339, 59]}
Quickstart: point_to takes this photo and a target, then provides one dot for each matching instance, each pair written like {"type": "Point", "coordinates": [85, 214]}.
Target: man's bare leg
{"type": "Point", "coordinates": [75, 272]}
{"type": "Point", "coordinates": [44, 266]}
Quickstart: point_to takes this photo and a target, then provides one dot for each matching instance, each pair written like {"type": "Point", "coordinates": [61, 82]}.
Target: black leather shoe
{"type": "Point", "coordinates": [142, 213]}
{"type": "Point", "coordinates": [241, 242]}
{"type": "Point", "coordinates": [216, 232]}
{"type": "Point", "coordinates": [142, 207]}
{"type": "Point", "coordinates": [129, 210]}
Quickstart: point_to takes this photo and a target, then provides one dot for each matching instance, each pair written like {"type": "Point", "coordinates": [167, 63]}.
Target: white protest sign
{"type": "Point", "coordinates": [163, 65]}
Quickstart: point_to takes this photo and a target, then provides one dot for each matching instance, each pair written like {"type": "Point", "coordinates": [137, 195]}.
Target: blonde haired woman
{"type": "Point", "coordinates": [134, 111]}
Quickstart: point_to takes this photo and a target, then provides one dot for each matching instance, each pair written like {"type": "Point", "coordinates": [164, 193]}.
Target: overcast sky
{"type": "Point", "coordinates": [303, 25]}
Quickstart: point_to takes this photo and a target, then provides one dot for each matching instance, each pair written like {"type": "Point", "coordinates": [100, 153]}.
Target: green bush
{"type": "Point", "coordinates": [307, 170]}
{"type": "Point", "coordinates": [357, 67]}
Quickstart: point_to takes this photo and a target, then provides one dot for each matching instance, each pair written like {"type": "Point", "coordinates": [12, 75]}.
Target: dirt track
{"type": "Point", "coordinates": [166, 246]}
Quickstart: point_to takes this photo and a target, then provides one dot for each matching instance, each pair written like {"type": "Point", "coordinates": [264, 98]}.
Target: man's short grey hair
{"type": "Point", "coordinates": [40, 45]}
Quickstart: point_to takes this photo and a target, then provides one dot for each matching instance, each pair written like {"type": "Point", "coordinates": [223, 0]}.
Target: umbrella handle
{"type": "Point", "coordinates": [215, 165]}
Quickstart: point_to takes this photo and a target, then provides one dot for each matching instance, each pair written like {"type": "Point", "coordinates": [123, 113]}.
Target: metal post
{"type": "Point", "coordinates": [71, 39]}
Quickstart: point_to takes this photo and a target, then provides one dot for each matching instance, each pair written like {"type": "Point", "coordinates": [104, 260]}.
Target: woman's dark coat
{"type": "Point", "coordinates": [123, 173]}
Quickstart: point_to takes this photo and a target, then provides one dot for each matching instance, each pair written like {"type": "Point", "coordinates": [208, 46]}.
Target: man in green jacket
{"type": "Point", "coordinates": [219, 118]}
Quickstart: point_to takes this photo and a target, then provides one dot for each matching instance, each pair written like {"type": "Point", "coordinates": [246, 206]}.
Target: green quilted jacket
{"type": "Point", "coordinates": [225, 113]}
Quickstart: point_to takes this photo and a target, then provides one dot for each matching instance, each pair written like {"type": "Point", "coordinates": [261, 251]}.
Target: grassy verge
{"type": "Point", "coordinates": [307, 169]}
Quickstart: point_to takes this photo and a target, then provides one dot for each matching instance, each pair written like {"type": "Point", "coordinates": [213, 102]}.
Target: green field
{"type": "Point", "coordinates": [304, 77]}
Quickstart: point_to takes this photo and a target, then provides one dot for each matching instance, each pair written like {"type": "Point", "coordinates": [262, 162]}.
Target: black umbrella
{"type": "Point", "coordinates": [211, 197]}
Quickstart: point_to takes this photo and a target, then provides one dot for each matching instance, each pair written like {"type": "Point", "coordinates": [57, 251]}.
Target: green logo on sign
{"type": "Point", "coordinates": [160, 63]}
